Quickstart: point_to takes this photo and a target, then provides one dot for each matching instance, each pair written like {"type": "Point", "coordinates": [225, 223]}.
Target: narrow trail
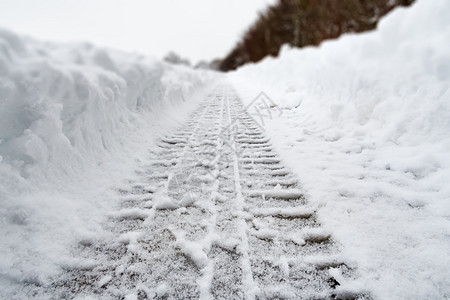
{"type": "Point", "coordinates": [216, 215]}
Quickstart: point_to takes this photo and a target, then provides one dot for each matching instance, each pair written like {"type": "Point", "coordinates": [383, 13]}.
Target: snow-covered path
{"type": "Point", "coordinates": [108, 191]}
{"type": "Point", "coordinates": [214, 215]}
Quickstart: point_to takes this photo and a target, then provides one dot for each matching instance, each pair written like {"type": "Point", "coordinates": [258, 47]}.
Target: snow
{"type": "Point", "coordinates": [165, 202]}
{"type": "Point", "coordinates": [131, 213]}
{"type": "Point", "coordinates": [278, 193]}
{"type": "Point", "coordinates": [104, 280]}
{"type": "Point", "coordinates": [299, 212]}
{"type": "Point", "coordinates": [75, 122]}
{"type": "Point", "coordinates": [193, 250]}
{"type": "Point", "coordinates": [365, 125]}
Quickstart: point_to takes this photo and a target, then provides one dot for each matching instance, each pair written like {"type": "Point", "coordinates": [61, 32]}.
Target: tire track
{"type": "Point", "coordinates": [214, 215]}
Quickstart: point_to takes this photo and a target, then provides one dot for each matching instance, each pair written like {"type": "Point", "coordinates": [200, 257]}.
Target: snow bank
{"type": "Point", "coordinates": [366, 125]}
{"type": "Point", "coordinates": [74, 122]}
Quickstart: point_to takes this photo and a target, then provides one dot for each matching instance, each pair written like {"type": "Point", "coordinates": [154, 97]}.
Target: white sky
{"type": "Point", "coordinates": [197, 29]}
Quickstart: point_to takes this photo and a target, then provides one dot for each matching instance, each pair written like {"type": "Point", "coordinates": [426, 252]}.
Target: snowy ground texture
{"type": "Point", "coordinates": [365, 124]}
{"type": "Point", "coordinates": [212, 214]}
{"type": "Point", "coordinates": [351, 200]}
{"type": "Point", "coordinates": [74, 121]}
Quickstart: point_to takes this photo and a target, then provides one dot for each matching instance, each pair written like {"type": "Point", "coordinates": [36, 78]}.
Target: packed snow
{"type": "Point", "coordinates": [366, 126]}
{"type": "Point", "coordinates": [75, 120]}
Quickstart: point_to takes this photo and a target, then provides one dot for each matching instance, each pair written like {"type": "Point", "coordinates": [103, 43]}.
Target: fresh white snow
{"type": "Point", "coordinates": [366, 126]}
{"type": "Point", "coordinates": [75, 122]}
{"type": "Point", "coordinates": [363, 121]}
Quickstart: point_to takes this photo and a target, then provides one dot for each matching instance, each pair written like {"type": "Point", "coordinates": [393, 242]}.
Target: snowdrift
{"type": "Point", "coordinates": [366, 125]}
{"type": "Point", "coordinates": [62, 103]}
{"type": "Point", "coordinates": [74, 121]}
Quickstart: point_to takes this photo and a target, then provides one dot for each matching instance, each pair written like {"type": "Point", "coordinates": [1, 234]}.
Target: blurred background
{"type": "Point", "coordinates": [221, 34]}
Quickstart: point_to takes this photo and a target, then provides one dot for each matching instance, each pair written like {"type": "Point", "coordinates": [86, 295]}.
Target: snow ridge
{"type": "Point", "coordinates": [74, 121]}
